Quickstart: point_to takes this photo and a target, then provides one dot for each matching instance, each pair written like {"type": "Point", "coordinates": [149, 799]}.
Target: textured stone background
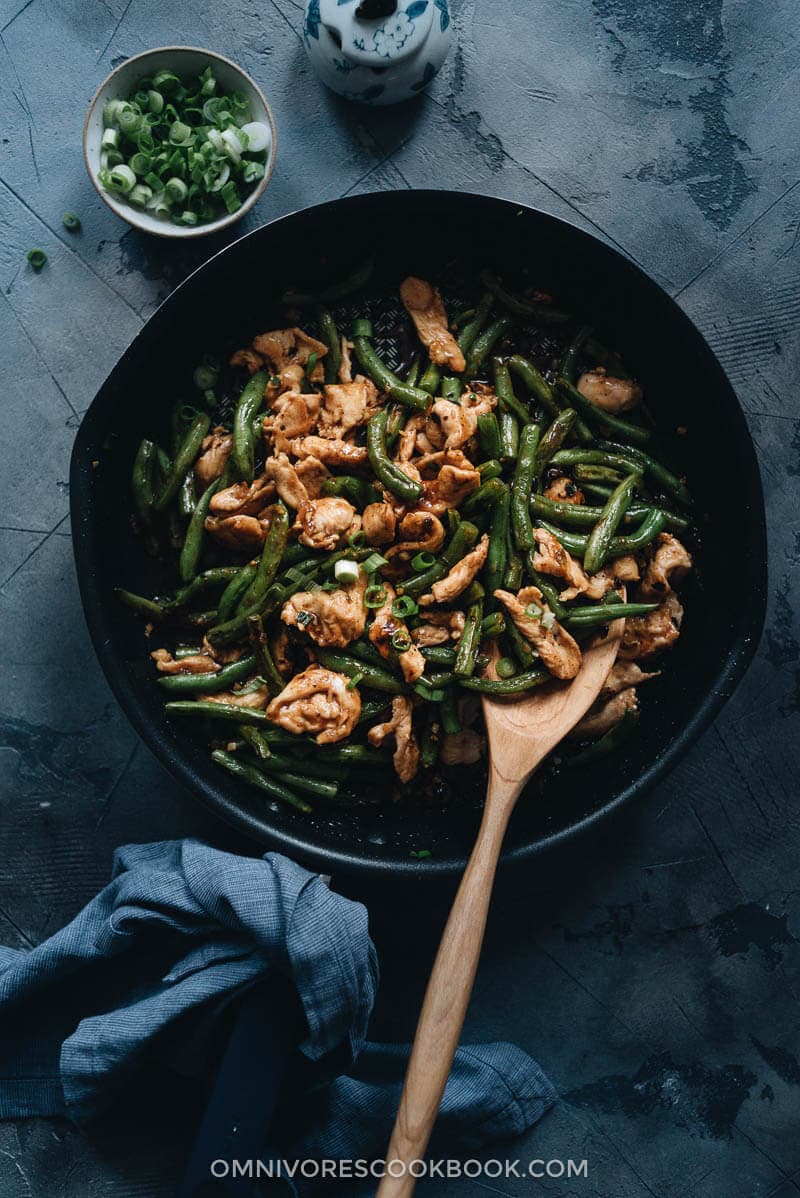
{"type": "Point", "coordinates": [656, 977]}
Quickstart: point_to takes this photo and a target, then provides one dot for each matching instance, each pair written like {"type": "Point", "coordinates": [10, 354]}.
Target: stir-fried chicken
{"type": "Point", "coordinates": [439, 628]}
{"type": "Point", "coordinates": [280, 649]}
{"type": "Point", "coordinates": [644, 636]}
{"type": "Point", "coordinates": [456, 479]}
{"type": "Point", "coordinates": [382, 631]}
{"type": "Point", "coordinates": [450, 424]}
{"type": "Point", "coordinates": [670, 562]}
{"type": "Point", "coordinates": [346, 361]}
{"type": "Point", "coordinates": [564, 490]}
{"type": "Point", "coordinates": [256, 699]}
{"type": "Point", "coordinates": [292, 414]}
{"type": "Point", "coordinates": [214, 453]}
{"type": "Point", "coordinates": [622, 675]}
{"type": "Point", "coordinates": [603, 716]}
{"type": "Point", "coordinates": [550, 557]}
{"type": "Point", "coordinates": [331, 452]}
{"type": "Point", "coordinates": [406, 752]}
{"type": "Point", "coordinates": [287, 351]}
{"type": "Point", "coordinates": [244, 534]}
{"type": "Point", "coordinates": [284, 475]}
{"type": "Point", "coordinates": [459, 576]}
{"type": "Point", "coordinates": [346, 407]}
{"type": "Point", "coordinates": [379, 523]}
{"type": "Point", "coordinates": [608, 393]}
{"type": "Point", "coordinates": [559, 651]}
{"type": "Point", "coordinates": [312, 474]}
{"type": "Point", "coordinates": [462, 748]}
{"type": "Point", "coordinates": [424, 305]}
{"type": "Point", "coordinates": [193, 663]}
{"type": "Point", "coordinates": [327, 523]}
{"type": "Point", "coordinates": [609, 578]}
{"type": "Point", "coordinates": [243, 499]}
{"type": "Point", "coordinates": [248, 358]}
{"type": "Point", "coordinates": [420, 532]}
{"type": "Point", "coordinates": [317, 700]}
{"type": "Point", "coordinates": [332, 618]}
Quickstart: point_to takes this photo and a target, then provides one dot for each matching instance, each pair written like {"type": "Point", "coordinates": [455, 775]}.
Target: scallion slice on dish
{"type": "Point", "coordinates": [346, 570]}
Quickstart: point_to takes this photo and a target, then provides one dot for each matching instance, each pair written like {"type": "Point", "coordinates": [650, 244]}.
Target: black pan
{"type": "Point", "coordinates": [236, 295]}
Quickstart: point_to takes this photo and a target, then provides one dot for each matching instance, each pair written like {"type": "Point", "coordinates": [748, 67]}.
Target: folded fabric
{"type": "Point", "coordinates": [144, 972]}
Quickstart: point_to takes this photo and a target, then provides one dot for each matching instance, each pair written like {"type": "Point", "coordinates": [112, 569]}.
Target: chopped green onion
{"type": "Point", "coordinates": [401, 641]}
{"type": "Point", "coordinates": [259, 136]}
{"type": "Point", "coordinates": [404, 606]}
{"type": "Point", "coordinates": [140, 163]}
{"type": "Point", "coordinates": [155, 102]}
{"type": "Point", "coordinates": [37, 259]}
{"type": "Point", "coordinates": [206, 374]}
{"type": "Point", "coordinates": [357, 540]}
{"type": "Point", "coordinates": [354, 681]}
{"type": "Point", "coordinates": [71, 222]}
{"type": "Point", "coordinates": [139, 195]}
{"type": "Point", "coordinates": [346, 570]}
{"type": "Point", "coordinates": [303, 618]}
{"type": "Point", "coordinates": [166, 81]}
{"type": "Point", "coordinates": [188, 217]}
{"type": "Point", "coordinates": [122, 179]}
{"type": "Point", "coordinates": [375, 596]}
{"type": "Point", "coordinates": [426, 692]}
{"type": "Point", "coordinates": [548, 619]}
{"type": "Point", "coordinates": [110, 139]}
{"type": "Point", "coordinates": [505, 667]}
{"type": "Point", "coordinates": [374, 562]}
{"type": "Point", "coordinates": [422, 561]}
{"type": "Point", "coordinates": [534, 611]}
{"type": "Point", "coordinates": [231, 196]}
{"type": "Point", "coordinates": [130, 121]}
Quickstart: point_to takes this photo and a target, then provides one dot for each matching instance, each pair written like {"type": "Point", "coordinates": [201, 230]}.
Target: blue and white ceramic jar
{"type": "Point", "coordinates": [377, 51]}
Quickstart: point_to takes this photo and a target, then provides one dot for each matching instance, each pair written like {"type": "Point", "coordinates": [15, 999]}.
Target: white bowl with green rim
{"type": "Point", "coordinates": [185, 62]}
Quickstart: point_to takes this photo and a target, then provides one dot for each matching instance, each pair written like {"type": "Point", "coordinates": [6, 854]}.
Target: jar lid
{"type": "Point", "coordinates": [377, 33]}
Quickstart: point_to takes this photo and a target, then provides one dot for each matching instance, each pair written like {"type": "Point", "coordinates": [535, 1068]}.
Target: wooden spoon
{"type": "Point", "coordinates": [521, 734]}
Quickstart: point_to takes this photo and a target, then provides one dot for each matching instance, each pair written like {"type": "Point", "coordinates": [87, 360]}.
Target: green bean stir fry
{"type": "Point", "coordinates": [360, 552]}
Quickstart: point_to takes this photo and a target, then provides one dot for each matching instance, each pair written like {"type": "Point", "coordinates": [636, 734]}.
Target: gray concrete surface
{"type": "Point", "coordinates": [657, 979]}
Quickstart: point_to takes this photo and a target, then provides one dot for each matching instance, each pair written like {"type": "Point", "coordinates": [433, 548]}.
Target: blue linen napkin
{"type": "Point", "coordinates": [142, 974]}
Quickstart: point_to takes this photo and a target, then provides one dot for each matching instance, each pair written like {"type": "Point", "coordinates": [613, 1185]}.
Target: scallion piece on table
{"type": "Point", "coordinates": [37, 259]}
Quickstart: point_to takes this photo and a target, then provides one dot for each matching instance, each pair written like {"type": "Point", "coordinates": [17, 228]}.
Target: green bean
{"type": "Point", "coordinates": [305, 781]}
{"type": "Point", "coordinates": [436, 679]}
{"type": "Point", "coordinates": [429, 745]}
{"type": "Point", "coordinates": [354, 281]}
{"type": "Point", "coordinates": [553, 438]}
{"type": "Point", "coordinates": [504, 390]}
{"type": "Point", "coordinates": [654, 522]}
{"type": "Point", "coordinates": [470, 331]}
{"type": "Point", "coordinates": [451, 388]}
{"type": "Point", "coordinates": [372, 676]}
{"type": "Point", "coordinates": [195, 531]}
{"type": "Point", "coordinates": [330, 335]}
{"type": "Point", "coordinates": [536, 383]}
{"type": "Point", "coordinates": [392, 477]}
{"type": "Point", "coordinates": [489, 435]}
{"type": "Point", "coordinates": [584, 515]}
{"type": "Point", "coordinates": [485, 342]}
{"type": "Point", "coordinates": [381, 375]}
{"type": "Point", "coordinates": [497, 556]}
{"type": "Point", "coordinates": [413, 372]}
{"type": "Point", "coordinates": [184, 458]}
{"type": "Point", "coordinates": [521, 647]}
{"type": "Point", "coordinates": [440, 655]}
{"type": "Point", "coordinates": [357, 491]}
{"type": "Point", "coordinates": [395, 422]}
{"type": "Point", "coordinates": [512, 578]}
{"type": "Point", "coordinates": [141, 605]}
{"type": "Point", "coordinates": [211, 683]}
{"type": "Point", "coordinates": [660, 474]}
{"type": "Point", "coordinates": [517, 685]}
{"type": "Point", "coordinates": [249, 774]}
{"type": "Point", "coordinates": [600, 537]}
{"type": "Point", "coordinates": [487, 495]}
{"type": "Point", "coordinates": [448, 710]}
{"type": "Point", "coordinates": [470, 639]}
{"type": "Point", "coordinates": [493, 625]}
{"type": "Point", "coordinates": [509, 436]}
{"type": "Point", "coordinates": [546, 586]}
{"type": "Point", "coordinates": [266, 663]}
{"type": "Point", "coordinates": [142, 487]}
{"type": "Point", "coordinates": [234, 590]}
{"type": "Point", "coordinates": [431, 377]}
{"type": "Point", "coordinates": [597, 474]}
{"type": "Point", "coordinates": [217, 711]}
{"type": "Point", "coordinates": [250, 401]}
{"type": "Point", "coordinates": [461, 542]}
{"type": "Point", "coordinates": [372, 708]}
{"type": "Point", "coordinates": [602, 613]}
{"type": "Point", "coordinates": [271, 554]}
{"type": "Point", "coordinates": [569, 362]}
{"type": "Point", "coordinates": [520, 305]}
{"type": "Point", "coordinates": [187, 495]}
{"type": "Point", "coordinates": [199, 619]}
{"type": "Point", "coordinates": [217, 576]}
{"type": "Point", "coordinates": [606, 422]}
{"type": "Point", "coordinates": [609, 741]}
{"type": "Point", "coordinates": [353, 755]}
{"type": "Point", "coordinates": [521, 487]}
{"type": "Point", "coordinates": [489, 470]}
{"type": "Point", "coordinates": [256, 739]}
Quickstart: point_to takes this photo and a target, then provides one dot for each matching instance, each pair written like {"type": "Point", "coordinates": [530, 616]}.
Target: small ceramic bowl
{"type": "Point", "coordinates": [185, 61]}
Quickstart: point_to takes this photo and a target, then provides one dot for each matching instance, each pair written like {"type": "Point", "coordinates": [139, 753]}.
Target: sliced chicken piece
{"type": "Point", "coordinates": [326, 523]}
{"type": "Point", "coordinates": [243, 499]}
{"type": "Point", "coordinates": [222, 656]}
{"type": "Point", "coordinates": [289, 486]}
{"type": "Point", "coordinates": [292, 414]}
{"type": "Point", "coordinates": [480, 398]}
{"type": "Point", "coordinates": [194, 663]}
{"type": "Point", "coordinates": [420, 532]}
{"type": "Point", "coordinates": [280, 649]}
{"type": "Point", "coordinates": [406, 753]}
{"type": "Point", "coordinates": [604, 716]}
{"type": "Point", "coordinates": [462, 748]}
{"type": "Point", "coordinates": [214, 453]}
{"type": "Point", "coordinates": [670, 562]}
{"type": "Point", "coordinates": [331, 452]}
{"type": "Point", "coordinates": [330, 618]}
{"type": "Point", "coordinates": [244, 534]}
{"type": "Point", "coordinates": [459, 577]}
{"type": "Point", "coordinates": [424, 305]}
{"type": "Point", "coordinates": [287, 351]}
{"type": "Point", "coordinates": [379, 523]}
{"type": "Point", "coordinates": [346, 361]}
{"type": "Point", "coordinates": [610, 578]}
{"type": "Point", "coordinates": [256, 699]}
{"type": "Point", "coordinates": [457, 478]}
{"type": "Point", "coordinates": [608, 393]}
{"type": "Point", "coordinates": [550, 557]}
{"type": "Point", "coordinates": [384, 627]}
{"type": "Point", "coordinates": [346, 407]}
{"type": "Point", "coordinates": [624, 674]}
{"type": "Point", "coordinates": [248, 358]}
{"type": "Point", "coordinates": [559, 651]}
{"type": "Point", "coordinates": [644, 636]}
{"type": "Point", "coordinates": [564, 490]}
{"type": "Point", "coordinates": [414, 438]}
{"type": "Point", "coordinates": [453, 424]}
{"type": "Point", "coordinates": [317, 700]}
{"type": "Point", "coordinates": [312, 474]}
{"type": "Point", "coordinates": [439, 628]}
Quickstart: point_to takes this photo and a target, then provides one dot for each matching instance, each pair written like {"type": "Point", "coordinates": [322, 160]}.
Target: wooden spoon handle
{"type": "Point", "coordinates": [447, 995]}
